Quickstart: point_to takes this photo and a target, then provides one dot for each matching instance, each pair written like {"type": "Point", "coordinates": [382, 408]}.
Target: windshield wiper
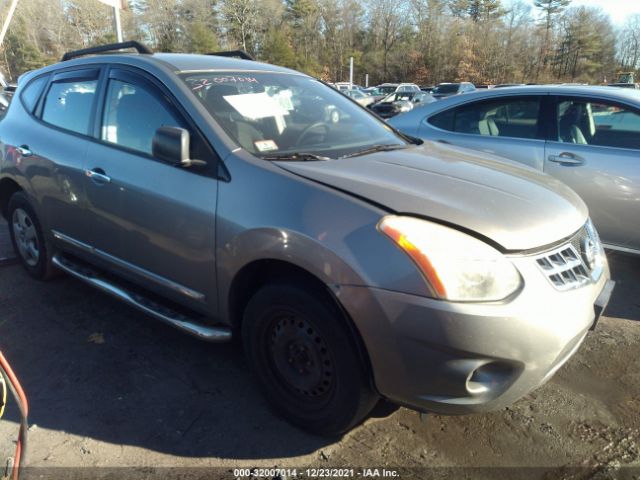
{"type": "Point", "coordinates": [376, 148]}
{"type": "Point", "coordinates": [295, 157]}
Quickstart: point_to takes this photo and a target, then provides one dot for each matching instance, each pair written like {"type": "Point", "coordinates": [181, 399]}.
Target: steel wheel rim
{"type": "Point", "coordinates": [300, 358]}
{"type": "Point", "coordinates": [26, 237]}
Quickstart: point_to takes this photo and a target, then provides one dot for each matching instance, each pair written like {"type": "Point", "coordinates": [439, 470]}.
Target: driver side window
{"type": "Point", "coordinates": [598, 123]}
{"type": "Point", "coordinates": [132, 115]}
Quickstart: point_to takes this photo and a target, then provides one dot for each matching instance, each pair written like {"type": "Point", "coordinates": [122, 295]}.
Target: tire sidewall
{"type": "Point", "coordinates": [41, 269]}
{"type": "Point", "coordinates": [350, 398]}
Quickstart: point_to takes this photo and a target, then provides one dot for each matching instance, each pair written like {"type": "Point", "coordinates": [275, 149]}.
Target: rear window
{"type": "Point", "coordinates": [31, 92]}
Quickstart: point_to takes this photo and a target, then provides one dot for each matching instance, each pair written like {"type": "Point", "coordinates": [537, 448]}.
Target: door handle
{"type": "Point", "coordinates": [24, 151]}
{"type": "Point", "coordinates": [566, 158]}
{"type": "Point", "coordinates": [98, 176]}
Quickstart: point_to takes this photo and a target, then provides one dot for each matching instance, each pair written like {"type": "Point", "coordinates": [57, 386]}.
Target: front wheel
{"type": "Point", "coordinates": [306, 360]}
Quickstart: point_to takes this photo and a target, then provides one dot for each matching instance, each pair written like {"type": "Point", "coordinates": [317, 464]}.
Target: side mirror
{"type": "Point", "coordinates": [171, 145]}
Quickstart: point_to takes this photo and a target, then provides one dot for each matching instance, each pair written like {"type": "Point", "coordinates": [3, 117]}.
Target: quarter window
{"type": "Point", "coordinates": [132, 116]}
{"type": "Point", "coordinates": [32, 91]}
{"type": "Point", "coordinates": [516, 118]}
{"type": "Point", "coordinates": [598, 123]}
{"type": "Point", "coordinates": [68, 105]}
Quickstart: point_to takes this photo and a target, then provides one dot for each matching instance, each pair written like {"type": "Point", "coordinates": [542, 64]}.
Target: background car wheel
{"type": "Point", "coordinates": [306, 360]}
{"type": "Point", "coordinates": [27, 238]}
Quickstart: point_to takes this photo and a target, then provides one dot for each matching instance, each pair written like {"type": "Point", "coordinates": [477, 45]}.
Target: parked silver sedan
{"type": "Point", "coordinates": [588, 137]}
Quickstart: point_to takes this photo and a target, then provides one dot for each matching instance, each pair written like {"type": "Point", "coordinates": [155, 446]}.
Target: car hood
{"type": "Point", "coordinates": [515, 206]}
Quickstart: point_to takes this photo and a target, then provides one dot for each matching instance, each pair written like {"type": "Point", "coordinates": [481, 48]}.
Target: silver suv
{"type": "Point", "coordinates": [229, 197]}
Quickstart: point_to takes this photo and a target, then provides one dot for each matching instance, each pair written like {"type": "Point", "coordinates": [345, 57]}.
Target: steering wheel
{"type": "Point", "coordinates": [305, 132]}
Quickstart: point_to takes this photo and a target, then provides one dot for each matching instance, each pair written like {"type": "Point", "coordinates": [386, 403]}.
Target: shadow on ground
{"type": "Point", "coordinates": [146, 385]}
{"type": "Point", "coordinates": [625, 300]}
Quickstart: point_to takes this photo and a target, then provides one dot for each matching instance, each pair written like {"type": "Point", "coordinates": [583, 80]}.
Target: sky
{"type": "Point", "coordinates": [618, 10]}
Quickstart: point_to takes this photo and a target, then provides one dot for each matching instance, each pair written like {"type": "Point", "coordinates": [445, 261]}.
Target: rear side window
{"type": "Point", "coordinates": [133, 114]}
{"type": "Point", "coordinates": [31, 92]}
{"type": "Point", "coordinates": [68, 105]}
{"type": "Point", "coordinates": [515, 118]}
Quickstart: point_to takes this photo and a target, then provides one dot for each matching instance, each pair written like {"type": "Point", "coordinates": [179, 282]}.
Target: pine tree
{"type": "Point", "coordinates": [277, 49]}
{"type": "Point", "coordinates": [201, 38]}
{"type": "Point", "coordinates": [550, 9]}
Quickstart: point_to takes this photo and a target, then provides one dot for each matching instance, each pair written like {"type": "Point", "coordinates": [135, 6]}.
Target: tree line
{"type": "Point", "coordinates": [422, 41]}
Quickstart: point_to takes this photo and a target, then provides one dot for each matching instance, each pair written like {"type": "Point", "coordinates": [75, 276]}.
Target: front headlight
{"type": "Point", "coordinates": [457, 266]}
{"type": "Point", "coordinates": [593, 250]}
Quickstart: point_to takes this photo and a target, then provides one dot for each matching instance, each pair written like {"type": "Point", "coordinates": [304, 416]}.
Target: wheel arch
{"type": "Point", "coordinates": [259, 273]}
{"type": "Point", "coordinates": [7, 188]}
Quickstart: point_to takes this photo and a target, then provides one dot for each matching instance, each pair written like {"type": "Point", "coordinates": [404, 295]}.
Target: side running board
{"type": "Point", "coordinates": [148, 306]}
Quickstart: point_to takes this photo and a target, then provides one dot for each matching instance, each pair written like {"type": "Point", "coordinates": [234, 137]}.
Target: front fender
{"type": "Point", "coordinates": [270, 214]}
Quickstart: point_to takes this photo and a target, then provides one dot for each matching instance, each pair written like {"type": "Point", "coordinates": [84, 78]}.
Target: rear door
{"type": "Point", "coordinates": [506, 126]}
{"type": "Point", "coordinates": [53, 149]}
{"type": "Point", "coordinates": [594, 147]}
{"type": "Point", "coordinates": [163, 216]}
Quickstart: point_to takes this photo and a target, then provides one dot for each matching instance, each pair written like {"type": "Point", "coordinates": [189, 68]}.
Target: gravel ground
{"type": "Point", "coordinates": [109, 387]}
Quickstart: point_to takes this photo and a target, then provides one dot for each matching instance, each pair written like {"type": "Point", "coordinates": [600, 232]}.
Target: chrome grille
{"type": "Point", "coordinates": [578, 241]}
{"type": "Point", "coordinates": [564, 268]}
{"type": "Point", "coordinates": [578, 262]}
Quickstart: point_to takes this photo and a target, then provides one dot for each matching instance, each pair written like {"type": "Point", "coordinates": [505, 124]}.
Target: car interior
{"type": "Point", "coordinates": [514, 119]}
{"type": "Point", "coordinates": [307, 122]}
{"type": "Point", "coordinates": [598, 124]}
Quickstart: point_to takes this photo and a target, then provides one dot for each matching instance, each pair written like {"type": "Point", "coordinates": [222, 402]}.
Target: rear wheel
{"type": "Point", "coordinates": [306, 360]}
{"type": "Point", "coordinates": [27, 238]}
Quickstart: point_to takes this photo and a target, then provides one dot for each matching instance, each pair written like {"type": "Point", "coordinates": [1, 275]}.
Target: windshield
{"type": "Point", "coordinates": [273, 114]}
{"type": "Point", "coordinates": [448, 88]}
{"type": "Point", "coordinates": [387, 89]}
{"type": "Point", "coordinates": [355, 94]}
{"type": "Point", "coordinates": [394, 97]}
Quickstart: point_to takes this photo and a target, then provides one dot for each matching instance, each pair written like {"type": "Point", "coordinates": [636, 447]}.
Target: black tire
{"type": "Point", "coordinates": [306, 360]}
{"type": "Point", "coordinates": [36, 257]}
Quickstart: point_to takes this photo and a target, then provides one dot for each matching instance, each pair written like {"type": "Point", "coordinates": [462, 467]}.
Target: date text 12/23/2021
{"type": "Point", "coordinates": [329, 473]}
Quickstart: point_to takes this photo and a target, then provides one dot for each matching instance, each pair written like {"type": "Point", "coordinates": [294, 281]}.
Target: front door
{"type": "Point", "coordinates": [595, 149]}
{"type": "Point", "coordinates": [162, 216]}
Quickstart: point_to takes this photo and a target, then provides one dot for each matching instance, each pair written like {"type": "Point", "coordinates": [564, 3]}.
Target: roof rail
{"type": "Point", "coordinates": [233, 53]}
{"type": "Point", "coordinates": [140, 48]}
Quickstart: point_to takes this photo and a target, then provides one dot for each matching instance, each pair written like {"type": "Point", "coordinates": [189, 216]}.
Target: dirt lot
{"type": "Point", "coordinates": [109, 387]}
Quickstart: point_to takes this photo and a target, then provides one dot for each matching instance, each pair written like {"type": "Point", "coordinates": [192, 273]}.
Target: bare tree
{"type": "Point", "coordinates": [629, 44]}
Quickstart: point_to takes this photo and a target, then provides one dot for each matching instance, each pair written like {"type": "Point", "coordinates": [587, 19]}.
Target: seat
{"type": "Point", "coordinates": [488, 127]}
{"type": "Point", "coordinates": [577, 136]}
{"type": "Point", "coordinates": [229, 119]}
{"type": "Point", "coordinates": [569, 130]}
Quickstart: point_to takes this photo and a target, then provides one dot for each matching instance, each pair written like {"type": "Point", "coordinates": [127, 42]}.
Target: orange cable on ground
{"type": "Point", "coordinates": [23, 405]}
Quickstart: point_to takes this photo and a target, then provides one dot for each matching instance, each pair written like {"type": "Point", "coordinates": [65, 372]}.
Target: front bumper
{"type": "Point", "coordinates": [456, 358]}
